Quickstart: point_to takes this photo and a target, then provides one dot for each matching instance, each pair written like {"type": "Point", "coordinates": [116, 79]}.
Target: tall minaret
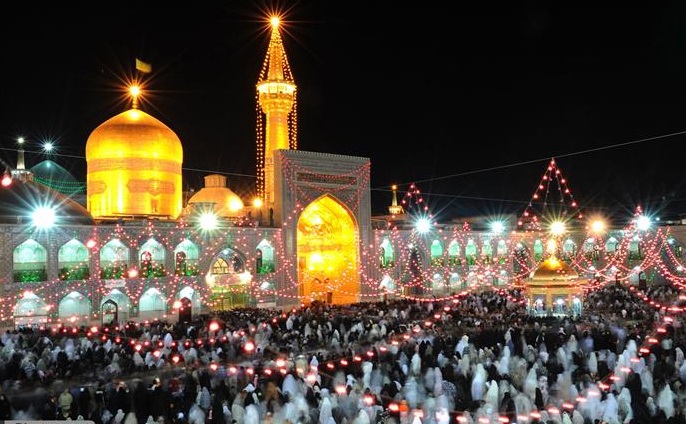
{"type": "Point", "coordinates": [20, 171]}
{"type": "Point", "coordinates": [21, 165]}
{"type": "Point", "coordinates": [395, 208]}
{"type": "Point", "coordinates": [277, 118]}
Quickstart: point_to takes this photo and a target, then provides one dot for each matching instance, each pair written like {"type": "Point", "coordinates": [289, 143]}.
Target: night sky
{"type": "Point", "coordinates": [469, 103]}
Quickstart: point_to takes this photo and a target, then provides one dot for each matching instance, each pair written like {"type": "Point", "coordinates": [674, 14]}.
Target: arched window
{"type": "Point", "coordinates": [502, 251]}
{"type": "Point", "coordinates": [569, 248]}
{"type": "Point", "coordinates": [487, 250]}
{"type": "Point", "coordinates": [220, 266]}
{"type": "Point", "coordinates": [436, 253]}
{"type": "Point", "coordinates": [470, 252]}
{"type": "Point", "coordinates": [635, 249]}
{"type": "Point", "coordinates": [186, 256]}
{"type": "Point", "coordinates": [538, 250]}
{"type": "Point", "coordinates": [454, 253]}
{"type": "Point", "coordinates": [152, 257]}
{"type": "Point", "coordinates": [611, 245]}
{"type": "Point", "coordinates": [265, 254]}
{"type": "Point", "coordinates": [114, 260]}
{"type": "Point", "coordinates": [30, 262]}
{"type": "Point", "coordinates": [387, 257]}
{"type": "Point", "coordinates": [72, 261]}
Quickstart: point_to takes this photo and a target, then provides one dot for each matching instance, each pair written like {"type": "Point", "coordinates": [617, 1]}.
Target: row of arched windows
{"type": "Point", "coordinates": [30, 260]}
{"type": "Point", "coordinates": [592, 248]}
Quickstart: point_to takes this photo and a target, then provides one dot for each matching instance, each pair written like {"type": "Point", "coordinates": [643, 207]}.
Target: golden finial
{"type": "Point", "coordinates": [134, 91]}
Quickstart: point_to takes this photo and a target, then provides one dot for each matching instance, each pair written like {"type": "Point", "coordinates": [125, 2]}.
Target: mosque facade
{"type": "Point", "coordinates": [135, 250]}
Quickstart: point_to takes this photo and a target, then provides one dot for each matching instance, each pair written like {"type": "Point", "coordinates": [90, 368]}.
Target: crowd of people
{"type": "Point", "coordinates": [476, 358]}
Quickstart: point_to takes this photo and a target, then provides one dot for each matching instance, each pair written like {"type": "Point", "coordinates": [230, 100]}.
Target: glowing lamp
{"type": "Point", "coordinates": [249, 347]}
{"type": "Point", "coordinates": [214, 326]}
{"type": "Point", "coordinates": [597, 226]}
{"type": "Point", "coordinates": [557, 228]}
{"type": "Point", "coordinates": [208, 221]}
{"type": "Point", "coordinates": [643, 222]}
{"type": "Point", "coordinates": [497, 227]}
{"type": "Point", "coordinates": [90, 243]}
{"type": "Point", "coordinates": [43, 217]}
{"type": "Point", "coordinates": [132, 273]}
{"type": "Point", "coordinates": [423, 225]}
{"type": "Point", "coordinates": [6, 179]}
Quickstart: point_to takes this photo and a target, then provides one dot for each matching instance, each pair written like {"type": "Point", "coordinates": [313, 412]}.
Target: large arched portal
{"type": "Point", "coordinates": [327, 253]}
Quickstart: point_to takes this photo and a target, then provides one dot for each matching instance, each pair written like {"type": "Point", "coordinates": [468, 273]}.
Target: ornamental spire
{"type": "Point", "coordinates": [276, 112]}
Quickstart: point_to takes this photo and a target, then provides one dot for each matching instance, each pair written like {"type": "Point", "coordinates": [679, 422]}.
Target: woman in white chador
{"type": "Point", "coordinates": [531, 383]}
{"type": "Point", "coordinates": [666, 401]}
{"type": "Point", "coordinates": [413, 391]}
{"type": "Point", "coordinates": [416, 366]}
{"type": "Point", "coordinates": [492, 395]}
{"type": "Point", "coordinates": [610, 409]}
{"type": "Point", "coordinates": [252, 414]}
{"type": "Point", "coordinates": [624, 410]}
{"type": "Point", "coordinates": [478, 388]}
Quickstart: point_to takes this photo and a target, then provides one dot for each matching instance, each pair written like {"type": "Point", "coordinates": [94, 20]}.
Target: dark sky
{"type": "Point", "coordinates": [469, 102]}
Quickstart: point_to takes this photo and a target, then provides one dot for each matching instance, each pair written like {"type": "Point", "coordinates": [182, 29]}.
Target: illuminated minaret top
{"type": "Point", "coordinates": [21, 165]}
{"type": "Point", "coordinates": [20, 171]}
{"type": "Point", "coordinates": [395, 208]}
{"type": "Point", "coordinates": [276, 113]}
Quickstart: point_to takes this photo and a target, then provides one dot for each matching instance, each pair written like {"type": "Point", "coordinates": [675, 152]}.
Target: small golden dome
{"type": "Point", "coordinates": [227, 204]}
{"type": "Point", "coordinates": [553, 269]}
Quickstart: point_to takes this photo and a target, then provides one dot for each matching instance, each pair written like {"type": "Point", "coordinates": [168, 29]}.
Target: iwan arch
{"type": "Point", "coordinates": [330, 197]}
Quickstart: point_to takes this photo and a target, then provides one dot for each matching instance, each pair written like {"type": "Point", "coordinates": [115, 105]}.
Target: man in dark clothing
{"type": "Point", "coordinates": [121, 399]}
{"type": "Point", "coordinates": [507, 407]}
{"type": "Point", "coordinates": [5, 408]}
{"type": "Point", "coordinates": [49, 409]}
{"type": "Point", "coordinates": [158, 400]}
{"type": "Point", "coordinates": [141, 402]}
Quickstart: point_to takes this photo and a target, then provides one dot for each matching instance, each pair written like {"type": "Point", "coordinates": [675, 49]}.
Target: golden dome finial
{"type": "Point", "coordinates": [134, 92]}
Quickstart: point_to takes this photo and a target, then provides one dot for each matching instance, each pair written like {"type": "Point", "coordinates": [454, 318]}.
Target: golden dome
{"type": "Point", "coordinates": [134, 168]}
{"type": "Point", "coordinates": [226, 203]}
{"type": "Point", "coordinates": [553, 269]}
{"type": "Point", "coordinates": [134, 133]}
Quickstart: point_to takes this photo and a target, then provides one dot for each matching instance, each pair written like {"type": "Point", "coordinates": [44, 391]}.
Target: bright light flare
{"type": "Point", "coordinates": [208, 221]}
{"type": "Point", "coordinates": [643, 222]}
{"type": "Point", "coordinates": [423, 225]}
{"type": "Point", "coordinates": [557, 228]}
{"type": "Point", "coordinates": [44, 217]}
